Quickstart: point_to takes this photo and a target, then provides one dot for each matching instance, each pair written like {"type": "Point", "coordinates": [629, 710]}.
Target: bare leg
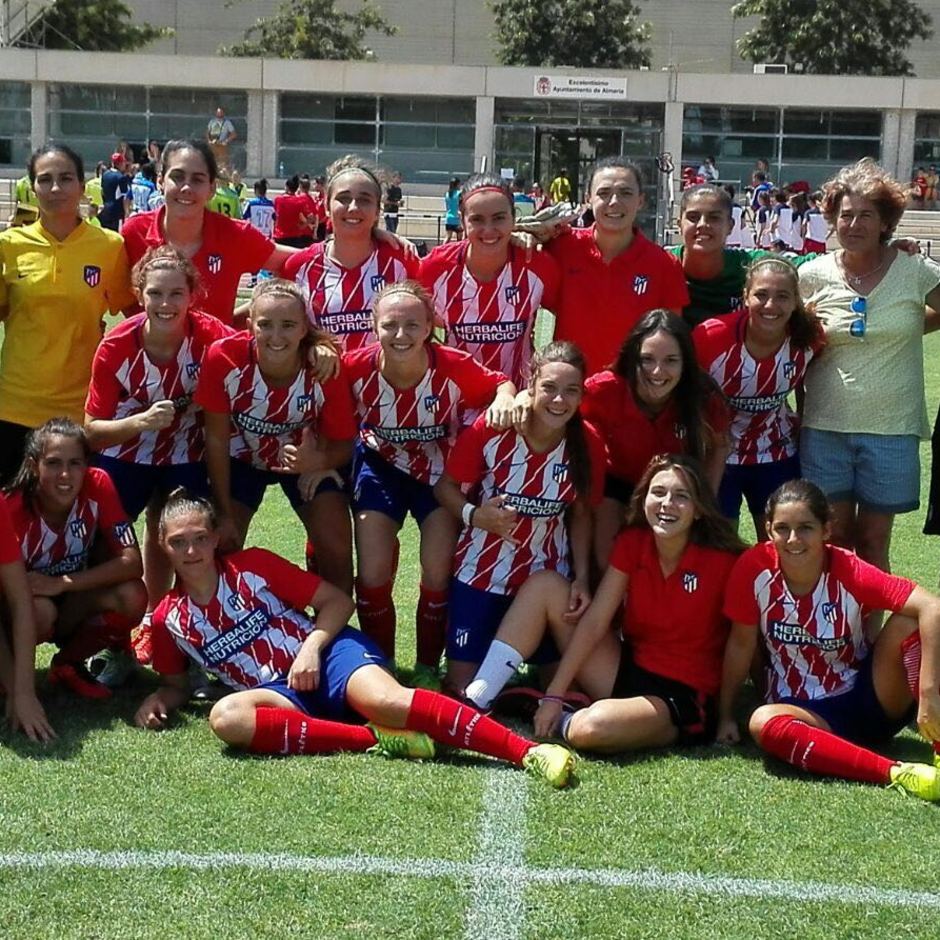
{"type": "Point", "coordinates": [233, 718]}
{"type": "Point", "coordinates": [608, 518]}
{"type": "Point", "coordinates": [327, 521]}
{"type": "Point", "coordinates": [622, 724]}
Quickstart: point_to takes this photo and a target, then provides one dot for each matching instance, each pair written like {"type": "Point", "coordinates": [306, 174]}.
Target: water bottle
{"type": "Point", "coordinates": [280, 169]}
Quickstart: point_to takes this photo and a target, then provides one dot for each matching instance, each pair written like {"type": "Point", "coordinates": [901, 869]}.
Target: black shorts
{"type": "Point", "coordinates": [694, 713]}
{"type": "Point", "coordinates": [12, 447]}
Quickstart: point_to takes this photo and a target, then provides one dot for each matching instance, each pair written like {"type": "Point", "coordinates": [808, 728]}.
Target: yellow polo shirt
{"type": "Point", "coordinates": [52, 296]}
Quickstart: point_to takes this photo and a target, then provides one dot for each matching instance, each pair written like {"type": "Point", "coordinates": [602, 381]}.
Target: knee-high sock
{"type": "Point", "coordinates": [497, 668]}
{"type": "Point", "coordinates": [285, 731]}
{"type": "Point", "coordinates": [822, 752]}
{"type": "Point", "coordinates": [431, 624]}
{"type": "Point", "coordinates": [910, 659]}
{"type": "Point", "coordinates": [376, 611]}
{"type": "Point", "coordinates": [458, 725]}
{"type": "Point", "coordinates": [92, 636]}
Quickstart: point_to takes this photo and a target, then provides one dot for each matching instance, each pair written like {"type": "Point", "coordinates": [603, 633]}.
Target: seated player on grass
{"type": "Point", "coordinates": [303, 684]}
{"type": "Point", "coordinates": [64, 514]}
{"type": "Point", "coordinates": [657, 684]}
{"type": "Point", "coordinates": [832, 690]}
{"type": "Point", "coordinates": [18, 664]}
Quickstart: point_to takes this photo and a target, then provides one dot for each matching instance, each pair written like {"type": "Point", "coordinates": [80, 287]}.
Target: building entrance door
{"type": "Point", "coordinates": [574, 151]}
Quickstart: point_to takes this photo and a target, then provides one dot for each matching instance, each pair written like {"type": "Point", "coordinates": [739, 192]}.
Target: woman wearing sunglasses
{"type": "Point", "coordinates": [864, 412]}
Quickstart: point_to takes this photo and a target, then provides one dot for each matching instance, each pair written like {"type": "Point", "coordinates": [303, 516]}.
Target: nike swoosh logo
{"type": "Point", "coordinates": [453, 730]}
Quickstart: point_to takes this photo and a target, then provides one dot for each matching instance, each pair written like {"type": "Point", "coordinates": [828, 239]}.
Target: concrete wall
{"type": "Point", "coordinates": [692, 35]}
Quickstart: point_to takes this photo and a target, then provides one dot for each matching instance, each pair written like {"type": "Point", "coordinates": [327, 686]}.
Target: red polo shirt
{"type": "Point", "coordinates": [633, 437]}
{"type": "Point", "coordinates": [230, 248]}
{"type": "Point", "coordinates": [675, 626]}
{"type": "Point", "coordinates": [600, 303]}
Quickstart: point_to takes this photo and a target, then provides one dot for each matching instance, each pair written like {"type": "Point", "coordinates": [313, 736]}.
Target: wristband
{"type": "Point", "coordinates": [552, 698]}
{"type": "Point", "coordinates": [466, 514]}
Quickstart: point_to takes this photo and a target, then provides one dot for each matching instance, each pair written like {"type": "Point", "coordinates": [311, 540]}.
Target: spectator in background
{"type": "Point", "coordinates": [919, 188]}
{"type": "Point", "coordinates": [315, 208]}
{"type": "Point", "coordinates": [115, 194]}
{"type": "Point", "coordinates": [220, 133]}
{"type": "Point", "coordinates": [759, 184]}
{"type": "Point", "coordinates": [452, 211]}
{"type": "Point", "coordinates": [708, 170]}
{"type": "Point", "coordinates": [538, 196]}
{"type": "Point", "coordinates": [291, 226]}
{"type": "Point", "coordinates": [143, 186]}
{"type": "Point", "coordinates": [559, 190]}
{"type": "Point", "coordinates": [260, 210]}
{"type": "Point", "coordinates": [393, 201]}
{"type": "Point", "coordinates": [524, 204]}
{"type": "Point", "coordinates": [154, 152]}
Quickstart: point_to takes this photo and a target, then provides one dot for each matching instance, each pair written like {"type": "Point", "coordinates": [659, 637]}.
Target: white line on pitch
{"type": "Point", "coordinates": [645, 880]}
{"type": "Point", "coordinates": [497, 905]}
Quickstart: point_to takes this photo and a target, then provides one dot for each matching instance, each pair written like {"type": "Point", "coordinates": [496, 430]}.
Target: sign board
{"type": "Point", "coordinates": [580, 86]}
{"type": "Point", "coordinates": [507, 173]}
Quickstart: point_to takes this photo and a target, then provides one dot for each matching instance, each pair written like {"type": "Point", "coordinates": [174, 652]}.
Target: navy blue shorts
{"type": "Point", "coordinates": [350, 651]}
{"type": "Point", "coordinates": [248, 483]}
{"type": "Point", "coordinates": [474, 617]}
{"type": "Point", "coordinates": [137, 482]}
{"type": "Point", "coordinates": [380, 487]}
{"type": "Point", "coordinates": [754, 482]}
{"type": "Point", "coordinates": [694, 713]}
{"type": "Point", "coordinates": [856, 714]}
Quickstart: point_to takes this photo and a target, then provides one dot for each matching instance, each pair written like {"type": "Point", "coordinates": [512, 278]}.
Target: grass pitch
{"type": "Point", "coordinates": [116, 832]}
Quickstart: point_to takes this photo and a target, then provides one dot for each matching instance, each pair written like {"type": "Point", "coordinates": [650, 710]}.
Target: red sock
{"type": "Point", "coordinates": [376, 611]}
{"type": "Point", "coordinates": [431, 623]}
{"type": "Point", "coordinates": [910, 659]}
{"type": "Point", "coordinates": [459, 725]}
{"type": "Point", "coordinates": [285, 731]}
{"type": "Point", "coordinates": [822, 752]}
{"type": "Point", "coordinates": [92, 636]}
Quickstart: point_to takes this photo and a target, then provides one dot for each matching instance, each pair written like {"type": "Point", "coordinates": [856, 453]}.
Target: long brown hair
{"type": "Point", "coordinates": [805, 328]}
{"type": "Point", "coordinates": [569, 354]}
{"type": "Point", "coordinates": [710, 529]}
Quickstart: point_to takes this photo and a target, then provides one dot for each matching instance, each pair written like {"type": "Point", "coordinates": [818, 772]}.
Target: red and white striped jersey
{"type": "Point", "coordinates": [339, 299]}
{"type": "Point", "coordinates": [816, 643]}
{"type": "Point", "coordinates": [415, 428]}
{"type": "Point", "coordinates": [252, 630]}
{"type": "Point", "coordinates": [492, 321]}
{"type": "Point", "coordinates": [264, 418]}
{"type": "Point", "coordinates": [540, 489]}
{"type": "Point", "coordinates": [56, 551]}
{"type": "Point", "coordinates": [763, 426]}
{"type": "Point", "coordinates": [126, 381]}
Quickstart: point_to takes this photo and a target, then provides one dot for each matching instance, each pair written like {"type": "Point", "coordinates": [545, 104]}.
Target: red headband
{"type": "Point", "coordinates": [488, 189]}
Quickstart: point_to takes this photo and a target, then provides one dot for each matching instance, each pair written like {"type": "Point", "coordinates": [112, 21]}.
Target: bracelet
{"type": "Point", "coordinates": [466, 514]}
{"type": "Point", "coordinates": [552, 698]}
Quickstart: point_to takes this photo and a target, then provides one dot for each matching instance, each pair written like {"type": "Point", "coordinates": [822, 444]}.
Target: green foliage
{"type": "Point", "coordinates": [834, 37]}
{"type": "Point", "coordinates": [90, 26]}
{"type": "Point", "coordinates": [604, 34]}
{"type": "Point", "coordinates": [311, 29]}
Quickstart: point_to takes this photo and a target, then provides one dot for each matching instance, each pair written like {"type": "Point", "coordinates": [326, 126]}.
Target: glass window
{"type": "Point", "coordinates": [731, 120]}
{"type": "Point", "coordinates": [307, 107]}
{"type": "Point", "coordinates": [15, 95]}
{"type": "Point", "coordinates": [355, 109]}
{"type": "Point", "coordinates": [409, 135]}
{"type": "Point", "coordinates": [927, 125]}
{"type": "Point", "coordinates": [306, 132]}
{"type": "Point", "coordinates": [354, 134]}
{"type": "Point", "coordinates": [849, 151]}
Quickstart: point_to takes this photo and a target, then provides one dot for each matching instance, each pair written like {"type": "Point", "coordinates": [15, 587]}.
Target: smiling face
{"type": "Point", "coordinates": [58, 186]}
{"type": "Point", "coordinates": [190, 544]}
{"type": "Point", "coordinates": [669, 506]}
{"type": "Point", "coordinates": [660, 369]}
{"type": "Point", "coordinates": [800, 539]}
{"type": "Point", "coordinates": [557, 391]}
{"type": "Point", "coordinates": [770, 301]}
{"type": "Point", "coordinates": [278, 324]}
{"type": "Point", "coordinates": [859, 226]}
{"type": "Point", "coordinates": [403, 325]}
{"type": "Point", "coordinates": [186, 184]}
{"type": "Point", "coordinates": [166, 297]}
{"type": "Point", "coordinates": [489, 219]}
{"type": "Point", "coordinates": [60, 473]}
{"type": "Point", "coordinates": [354, 205]}
{"type": "Point", "coordinates": [705, 223]}
{"type": "Point", "coordinates": [616, 198]}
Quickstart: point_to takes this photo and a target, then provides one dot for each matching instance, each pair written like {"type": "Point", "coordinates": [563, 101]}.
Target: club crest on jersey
{"type": "Point", "coordinates": [735, 303]}
{"type": "Point", "coordinates": [560, 472]}
{"type": "Point", "coordinates": [215, 264]}
{"type": "Point", "coordinates": [789, 370]}
{"type": "Point", "coordinates": [124, 533]}
{"type": "Point", "coordinates": [304, 402]}
{"type": "Point", "coordinates": [377, 282]}
{"type": "Point", "coordinates": [235, 602]}
{"type": "Point", "coordinates": [431, 402]}
{"type": "Point", "coordinates": [830, 612]}
{"type": "Point", "coordinates": [192, 369]}
{"type": "Point", "coordinates": [690, 582]}
{"type": "Point", "coordinates": [78, 528]}
{"type": "Point", "coordinates": [512, 294]}
{"type": "Point", "coordinates": [640, 283]}
{"type": "Point", "coordinates": [92, 275]}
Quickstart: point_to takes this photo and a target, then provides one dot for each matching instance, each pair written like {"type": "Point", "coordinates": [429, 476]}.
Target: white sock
{"type": "Point", "coordinates": [563, 725]}
{"type": "Point", "coordinates": [495, 671]}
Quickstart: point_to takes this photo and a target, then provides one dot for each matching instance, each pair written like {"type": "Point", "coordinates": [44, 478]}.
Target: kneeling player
{"type": "Point", "coordinates": [301, 683]}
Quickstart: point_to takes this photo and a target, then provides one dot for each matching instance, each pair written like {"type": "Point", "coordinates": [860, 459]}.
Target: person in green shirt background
{"type": "Point", "coordinates": [225, 201]}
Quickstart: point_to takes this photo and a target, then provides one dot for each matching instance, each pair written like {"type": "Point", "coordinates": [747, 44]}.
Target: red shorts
{"type": "Point", "coordinates": [813, 247]}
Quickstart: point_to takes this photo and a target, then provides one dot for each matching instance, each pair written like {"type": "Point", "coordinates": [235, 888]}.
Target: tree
{"type": "Point", "coordinates": [90, 26]}
{"type": "Point", "coordinates": [603, 34]}
{"type": "Point", "coordinates": [834, 37]}
{"type": "Point", "coordinates": [311, 29]}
